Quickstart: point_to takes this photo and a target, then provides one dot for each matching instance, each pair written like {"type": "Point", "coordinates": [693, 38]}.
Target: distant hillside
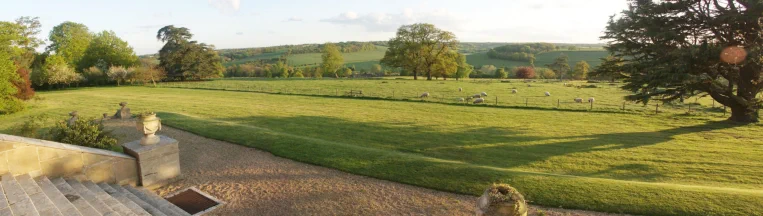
{"type": "Point", "coordinates": [590, 56]}
{"type": "Point", "coordinates": [363, 57]}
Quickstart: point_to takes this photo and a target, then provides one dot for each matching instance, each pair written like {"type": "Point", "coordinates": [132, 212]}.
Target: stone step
{"type": "Point", "coordinates": [142, 203]}
{"type": "Point", "coordinates": [135, 208]}
{"type": "Point", "coordinates": [18, 201]}
{"type": "Point", "coordinates": [41, 202]}
{"type": "Point", "coordinates": [74, 197]}
{"type": "Point", "coordinates": [59, 199]}
{"type": "Point", "coordinates": [5, 209]}
{"type": "Point", "coordinates": [90, 197]}
{"type": "Point", "coordinates": [110, 201]}
{"type": "Point", "coordinates": [157, 201]}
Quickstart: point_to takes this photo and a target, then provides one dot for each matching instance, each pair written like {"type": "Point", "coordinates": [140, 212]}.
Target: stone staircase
{"type": "Point", "coordinates": [24, 196]}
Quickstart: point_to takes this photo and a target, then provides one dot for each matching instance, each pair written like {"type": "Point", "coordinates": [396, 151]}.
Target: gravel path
{"type": "Point", "coordinates": [254, 182]}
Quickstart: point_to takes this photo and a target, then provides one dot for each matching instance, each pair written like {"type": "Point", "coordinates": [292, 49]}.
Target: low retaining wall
{"type": "Point", "coordinates": [21, 155]}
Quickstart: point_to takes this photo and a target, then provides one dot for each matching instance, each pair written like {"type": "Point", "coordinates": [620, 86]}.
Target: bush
{"type": "Point", "coordinates": [32, 127]}
{"type": "Point", "coordinates": [546, 73]}
{"type": "Point", "coordinates": [85, 132]}
{"type": "Point", "coordinates": [525, 73]}
{"type": "Point", "coordinates": [10, 105]}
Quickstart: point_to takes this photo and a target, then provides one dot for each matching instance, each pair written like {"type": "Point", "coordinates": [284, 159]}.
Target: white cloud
{"type": "Point", "coordinates": [225, 6]}
{"type": "Point", "coordinates": [389, 22]}
{"type": "Point", "coordinates": [294, 19]}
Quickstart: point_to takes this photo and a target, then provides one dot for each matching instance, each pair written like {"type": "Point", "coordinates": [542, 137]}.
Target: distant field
{"type": "Point", "coordinates": [364, 59]}
{"type": "Point", "coordinates": [641, 164]}
{"type": "Point", "coordinates": [592, 57]}
{"type": "Point", "coordinates": [254, 58]}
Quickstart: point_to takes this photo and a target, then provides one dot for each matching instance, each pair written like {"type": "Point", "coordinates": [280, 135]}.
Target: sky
{"type": "Point", "coordinates": [250, 23]}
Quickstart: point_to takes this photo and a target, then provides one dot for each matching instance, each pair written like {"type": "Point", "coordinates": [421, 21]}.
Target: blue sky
{"type": "Point", "coordinates": [248, 23]}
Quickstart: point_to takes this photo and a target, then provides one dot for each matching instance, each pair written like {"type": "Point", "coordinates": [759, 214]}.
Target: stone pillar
{"type": "Point", "coordinates": [158, 164]}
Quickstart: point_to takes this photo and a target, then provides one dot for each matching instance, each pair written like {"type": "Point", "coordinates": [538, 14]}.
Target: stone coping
{"type": "Point", "coordinates": [138, 148]}
{"type": "Point", "coordinates": [57, 145]}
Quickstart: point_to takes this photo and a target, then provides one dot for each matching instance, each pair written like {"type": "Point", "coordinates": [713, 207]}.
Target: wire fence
{"type": "Point", "coordinates": [541, 102]}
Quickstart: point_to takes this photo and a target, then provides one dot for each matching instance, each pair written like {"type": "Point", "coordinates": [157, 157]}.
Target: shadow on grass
{"type": "Point", "coordinates": [314, 140]}
{"type": "Point", "coordinates": [485, 146]}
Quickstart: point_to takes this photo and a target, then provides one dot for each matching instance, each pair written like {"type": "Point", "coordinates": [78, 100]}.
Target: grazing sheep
{"type": "Point", "coordinates": [513, 91]}
{"type": "Point", "coordinates": [461, 100]}
{"type": "Point", "coordinates": [548, 94]}
{"type": "Point", "coordinates": [477, 96]}
{"type": "Point", "coordinates": [460, 89]}
{"type": "Point", "coordinates": [478, 101]}
{"type": "Point", "coordinates": [425, 95]}
{"type": "Point", "coordinates": [578, 100]}
{"type": "Point", "coordinates": [591, 100]}
{"type": "Point", "coordinates": [483, 94]}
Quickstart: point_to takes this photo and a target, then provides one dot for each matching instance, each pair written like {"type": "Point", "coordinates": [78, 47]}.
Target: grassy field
{"type": "Point", "coordinates": [364, 59]}
{"type": "Point", "coordinates": [609, 97]}
{"type": "Point", "coordinates": [611, 162]}
{"type": "Point", "coordinates": [254, 58]}
{"type": "Point", "coordinates": [590, 56]}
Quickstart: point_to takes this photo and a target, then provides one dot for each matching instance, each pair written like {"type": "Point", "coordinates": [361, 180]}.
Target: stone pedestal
{"type": "Point", "coordinates": [158, 164]}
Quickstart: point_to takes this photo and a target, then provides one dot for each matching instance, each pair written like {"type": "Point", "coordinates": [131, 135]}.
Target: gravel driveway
{"type": "Point", "coordinates": [254, 182]}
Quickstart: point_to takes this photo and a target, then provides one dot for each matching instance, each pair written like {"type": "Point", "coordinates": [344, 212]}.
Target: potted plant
{"type": "Point", "coordinates": [501, 200]}
{"type": "Point", "coordinates": [148, 124]}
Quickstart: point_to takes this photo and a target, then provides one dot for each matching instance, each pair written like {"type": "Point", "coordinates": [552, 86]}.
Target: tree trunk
{"type": "Point", "coordinates": [429, 75]}
{"type": "Point", "coordinates": [744, 114]}
{"type": "Point", "coordinates": [415, 75]}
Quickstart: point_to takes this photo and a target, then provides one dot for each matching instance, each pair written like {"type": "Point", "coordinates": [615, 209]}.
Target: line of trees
{"type": "Point", "coordinates": [520, 52]}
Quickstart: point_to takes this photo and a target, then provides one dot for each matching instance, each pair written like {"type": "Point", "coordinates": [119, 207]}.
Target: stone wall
{"type": "Point", "coordinates": [21, 155]}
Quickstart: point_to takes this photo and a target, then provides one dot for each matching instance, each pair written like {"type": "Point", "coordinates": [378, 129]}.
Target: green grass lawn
{"type": "Point", "coordinates": [611, 162]}
{"type": "Point", "coordinates": [608, 97]}
{"type": "Point", "coordinates": [590, 56]}
{"type": "Point", "coordinates": [364, 59]}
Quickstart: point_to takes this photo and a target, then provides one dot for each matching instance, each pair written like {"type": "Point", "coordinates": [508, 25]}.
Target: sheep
{"type": "Point", "coordinates": [479, 101]}
{"type": "Point", "coordinates": [425, 95]}
{"type": "Point", "coordinates": [460, 89]}
{"type": "Point", "coordinates": [591, 100]}
{"type": "Point", "coordinates": [483, 94]}
{"type": "Point", "coordinates": [548, 94]}
{"type": "Point", "coordinates": [578, 100]}
{"type": "Point", "coordinates": [461, 100]}
{"type": "Point", "coordinates": [514, 91]}
{"type": "Point", "coordinates": [476, 96]}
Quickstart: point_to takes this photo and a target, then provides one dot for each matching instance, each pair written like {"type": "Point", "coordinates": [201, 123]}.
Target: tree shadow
{"type": "Point", "coordinates": [497, 147]}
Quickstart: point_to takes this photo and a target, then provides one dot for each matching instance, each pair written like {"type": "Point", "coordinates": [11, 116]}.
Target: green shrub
{"type": "Point", "coordinates": [32, 127]}
{"type": "Point", "coordinates": [85, 132]}
{"type": "Point", "coordinates": [10, 105]}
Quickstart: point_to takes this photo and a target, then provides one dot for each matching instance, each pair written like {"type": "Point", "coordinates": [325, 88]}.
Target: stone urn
{"type": "Point", "coordinates": [73, 118]}
{"type": "Point", "coordinates": [501, 200]}
{"type": "Point", "coordinates": [148, 124]}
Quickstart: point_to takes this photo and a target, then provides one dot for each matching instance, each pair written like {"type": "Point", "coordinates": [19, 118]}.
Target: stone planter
{"type": "Point", "coordinates": [501, 200]}
{"type": "Point", "coordinates": [148, 124]}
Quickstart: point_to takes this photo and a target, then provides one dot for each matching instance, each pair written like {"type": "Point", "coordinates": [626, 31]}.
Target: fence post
{"type": "Point", "coordinates": [393, 94]}
{"type": "Point", "coordinates": [623, 105]}
{"type": "Point", "coordinates": [689, 108]}
{"type": "Point", "coordinates": [526, 101]}
{"type": "Point", "coordinates": [724, 110]}
{"type": "Point", "coordinates": [558, 103]}
{"type": "Point", "coordinates": [657, 110]}
{"type": "Point", "coordinates": [591, 105]}
{"type": "Point", "coordinates": [713, 103]}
